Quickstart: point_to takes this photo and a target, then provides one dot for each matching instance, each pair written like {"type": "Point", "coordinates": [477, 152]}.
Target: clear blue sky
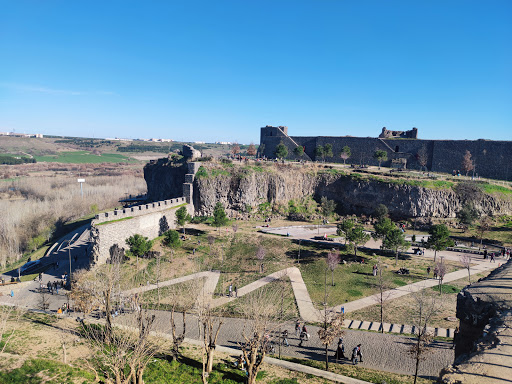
{"type": "Point", "coordinates": [219, 70]}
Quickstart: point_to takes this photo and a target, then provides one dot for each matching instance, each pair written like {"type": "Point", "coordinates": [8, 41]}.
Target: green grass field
{"type": "Point", "coordinates": [82, 157]}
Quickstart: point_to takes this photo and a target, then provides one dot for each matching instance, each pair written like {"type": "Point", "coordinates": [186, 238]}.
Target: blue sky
{"type": "Point", "coordinates": [219, 70]}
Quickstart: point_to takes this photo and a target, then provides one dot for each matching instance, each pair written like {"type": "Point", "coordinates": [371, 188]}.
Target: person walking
{"type": "Point", "coordinates": [340, 350]}
{"type": "Point", "coordinates": [356, 353]}
{"type": "Point", "coordinates": [285, 338]}
{"type": "Point", "coordinates": [428, 271]}
{"type": "Point", "coordinates": [236, 291]}
{"type": "Point", "coordinates": [492, 260]}
{"type": "Point", "coordinates": [230, 289]}
{"type": "Point", "coordinates": [297, 328]}
{"type": "Point", "coordinates": [374, 270]}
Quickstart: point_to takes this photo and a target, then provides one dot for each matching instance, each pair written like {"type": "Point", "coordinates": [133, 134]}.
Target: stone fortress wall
{"type": "Point", "coordinates": [492, 158]}
{"type": "Point", "coordinates": [149, 220]}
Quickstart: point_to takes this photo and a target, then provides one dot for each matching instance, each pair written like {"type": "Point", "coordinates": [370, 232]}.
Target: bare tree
{"type": "Point", "coordinates": [441, 272]}
{"type": "Point", "coordinates": [182, 298]}
{"type": "Point", "coordinates": [422, 157]}
{"type": "Point", "coordinates": [210, 323]}
{"type": "Point", "coordinates": [465, 261]}
{"type": "Point", "coordinates": [251, 150]}
{"type": "Point", "coordinates": [332, 328]}
{"type": "Point", "coordinates": [260, 255]}
{"type": "Point", "coordinates": [235, 149]}
{"type": "Point", "coordinates": [261, 309]}
{"type": "Point", "coordinates": [333, 259]}
{"type": "Point", "coordinates": [235, 230]}
{"type": "Point", "coordinates": [483, 227]}
{"type": "Point", "coordinates": [10, 317]}
{"type": "Point", "coordinates": [383, 284]}
{"type": "Point", "coordinates": [467, 163]}
{"type": "Point", "coordinates": [211, 241]}
{"type": "Point", "coordinates": [425, 306]}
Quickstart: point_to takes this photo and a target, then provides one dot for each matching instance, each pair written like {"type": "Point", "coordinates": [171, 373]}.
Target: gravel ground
{"type": "Point", "coordinates": [383, 352]}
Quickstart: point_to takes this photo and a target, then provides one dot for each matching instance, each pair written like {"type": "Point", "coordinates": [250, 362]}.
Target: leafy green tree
{"type": "Point", "coordinates": [357, 236]}
{"type": "Point", "coordinates": [327, 150]}
{"type": "Point", "coordinates": [319, 152]}
{"type": "Point", "coordinates": [345, 153]}
{"type": "Point", "coordinates": [172, 239]}
{"type": "Point", "coordinates": [139, 245]}
{"type": "Point", "coordinates": [383, 227]}
{"type": "Point", "coordinates": [328, 206]}
{"type": "Point", "coordinates": [381, 212]}
{"type": "Point", "coordinates": [182, 217]}
{"type": "Point", "coordinates": [220, 218]}
{"type": "Point", "coordinates": [380, 155]}
{"type": "Point", "coordinates": [281, 151]}
{"type": "Point", "coordinates": [395, 241]}
{"type": "Point", "coordinates": [343, 228]}
{"type": "Point", "coordinates": [299, 151]}
{"type": "Point", "coordinates": [467, 215]}
{"type": "Point", "coordinates": [439, 238]}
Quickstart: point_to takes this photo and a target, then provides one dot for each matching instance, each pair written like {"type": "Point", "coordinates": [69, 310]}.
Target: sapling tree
{"type": "Point", "coordinates": [333, 259]}
{"type": "Point", "coordinates": [395, 241]}
{"type": "Point", "coordinates": [439, 238]}
{"type": "Point", "coordinates": [380, 155]}
{"type": "Point", "coordinates": [344, 228]}
{"type": "Point", "coordinates": [345, 153]}
{"type": "Point", "coordinates": [357, 236]}
{"type": "Point", "coordinates": [220, 218]}
{"type": "Point", "coordinates": [465, 261]}
{"type": "Point", "coordinates": [182, 217]}
{"type": "Point", "coordinates": [260, 255]}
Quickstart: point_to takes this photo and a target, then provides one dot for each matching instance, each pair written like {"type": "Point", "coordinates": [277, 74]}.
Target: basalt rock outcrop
{"type": "Point", "coordinates": [238, 186]}
{"type": "Point", "coordinates": [483, 352]}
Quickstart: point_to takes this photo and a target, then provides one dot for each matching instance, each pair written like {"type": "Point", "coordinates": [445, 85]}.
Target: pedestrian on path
{"type": "Point", "coordinates": [436, 271]}
{"type": "Point", "coordinates": [428, 271]}
{"type": "Point", "coordinates": [297, 328]}
{"type": "Point", "coordinates": [340, 350]}
{"type": "Point", "coordinates": [374, 270]}
{"type": "Point", "coordinates": [230, 290]}
{"type": "Point", "coordinates": [356, 353]}
{"type": "Point", "coordinates": [236, 291]}
{"type": "Point", "coordinates": [492, 258]}
{"type": "Point", "coordinates": [285, 338]}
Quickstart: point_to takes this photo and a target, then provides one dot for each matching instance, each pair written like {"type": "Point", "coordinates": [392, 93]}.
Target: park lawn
{"type": "Point", "coordinates": [402, 309]}
{"type": "Point", "coordinates": [172, 294]}
{"type": "Point", "coordinates": [360, 373]}
{"type": "Point", "coordinates": [354, 280]}
{"type": "Point", "coordinates": [500, 232]}
{"type": "Point", "coordinates": [80, 157]}
{"type": "Point", "coordinates": [289, 306]}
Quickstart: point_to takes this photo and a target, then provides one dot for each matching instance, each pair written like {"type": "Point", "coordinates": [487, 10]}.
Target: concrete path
{"type": "Point", "coordinates": [414, 287]}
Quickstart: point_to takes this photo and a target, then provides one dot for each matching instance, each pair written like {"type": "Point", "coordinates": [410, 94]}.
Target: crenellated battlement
{"type": "Point", "coordinates": [139, 210]}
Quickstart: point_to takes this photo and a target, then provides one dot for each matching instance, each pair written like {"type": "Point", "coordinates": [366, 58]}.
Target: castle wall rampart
{"type": "Point", "coordinates": [151, 222]}
{"type": "Point", "coordinates": [138, 210]}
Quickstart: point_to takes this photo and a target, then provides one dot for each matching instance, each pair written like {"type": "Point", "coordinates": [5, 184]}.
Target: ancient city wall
{"type": "Point", "coordinates": [117, 226]}
{"type": "Point", "coordinates": [491, 158]}
{"type": "Point", "coordinates": [149, 220]}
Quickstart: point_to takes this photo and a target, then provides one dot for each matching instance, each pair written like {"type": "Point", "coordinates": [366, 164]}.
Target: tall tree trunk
{"type": "Point", "coordinates": [417, 360]}
{"type": "Point", "coordinates": [326, 357]}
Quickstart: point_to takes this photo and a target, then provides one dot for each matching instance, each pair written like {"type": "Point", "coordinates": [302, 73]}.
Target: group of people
{"type": "Point", "coordinates": [301, 332]}
{"type": "Point", "coordinates": [53, 286]}
{"type": "Point", "coordinates": [356, 352]}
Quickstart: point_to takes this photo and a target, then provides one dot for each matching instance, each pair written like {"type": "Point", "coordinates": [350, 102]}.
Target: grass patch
{"type": "Point", "coordinates": [36, 371]}
{"type": "Point", "coordinates": [82, 157]}
{"type": "Point", "coordinates": [360, 373]}
{"type": "Point", "coordinates": [115, 221]}
{"type": "Point", "coordinates": [496, 189]}
{"type": "Point", "coordinates": [446, 288]}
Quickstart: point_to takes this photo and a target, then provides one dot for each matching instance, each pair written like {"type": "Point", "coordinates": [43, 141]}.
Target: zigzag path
{"type": "Point", "coordinates": [307, 310]}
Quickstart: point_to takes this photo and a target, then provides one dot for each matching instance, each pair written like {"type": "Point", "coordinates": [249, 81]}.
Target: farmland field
{"type": "Point", "coordinates": [85, 157]}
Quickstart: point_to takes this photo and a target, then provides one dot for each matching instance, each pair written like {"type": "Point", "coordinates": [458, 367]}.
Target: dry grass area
{"type": "Point", "coordinates": [401, 310]}
{"type": "Point", "coordinates": [34, 208]}
{"type": "Point", "coordinates": [41, 336]}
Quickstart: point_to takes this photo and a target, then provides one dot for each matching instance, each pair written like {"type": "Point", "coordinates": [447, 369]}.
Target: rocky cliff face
{"type": "Point", "coordinates": [238, 187]}
{"type": "Point", "coordinates": [165, 179]}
